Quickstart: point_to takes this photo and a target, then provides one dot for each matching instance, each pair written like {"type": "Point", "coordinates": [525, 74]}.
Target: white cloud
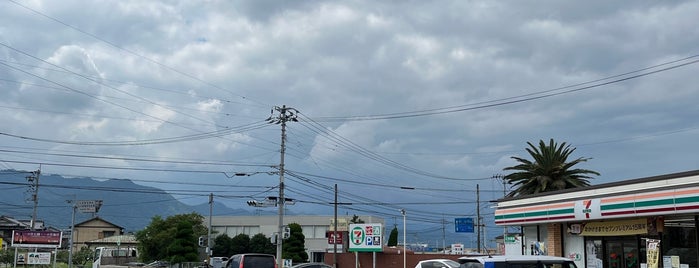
{"type": "Point", "coordinates": [216, 65]}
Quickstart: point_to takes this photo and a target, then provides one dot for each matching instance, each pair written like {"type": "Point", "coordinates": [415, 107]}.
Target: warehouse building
{"type": "Point", "coordinates": [315, 229]}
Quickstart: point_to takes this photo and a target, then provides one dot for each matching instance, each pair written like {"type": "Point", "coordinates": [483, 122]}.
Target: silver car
{"type": "Point", "coordinates": [437, 263]}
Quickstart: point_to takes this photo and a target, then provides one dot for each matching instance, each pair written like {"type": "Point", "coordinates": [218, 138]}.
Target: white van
{"type": "Point", "coordinates": [516, 262]}
{"type": "Point", "coordinates": [106, 257]}
{"type": "Point", "coordinates": [218, 262]}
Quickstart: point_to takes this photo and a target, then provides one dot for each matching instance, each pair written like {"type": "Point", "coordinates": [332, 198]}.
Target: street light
{"type": "Point", "coordinates": [405, 246]}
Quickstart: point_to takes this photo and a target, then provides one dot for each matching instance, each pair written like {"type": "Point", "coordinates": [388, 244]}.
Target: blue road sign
{"type": "Point", "coordinates": [464, 225]}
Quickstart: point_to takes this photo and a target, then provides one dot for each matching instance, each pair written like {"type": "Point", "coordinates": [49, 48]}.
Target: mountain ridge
{"type": "Point", "coordinates": [125, 203]}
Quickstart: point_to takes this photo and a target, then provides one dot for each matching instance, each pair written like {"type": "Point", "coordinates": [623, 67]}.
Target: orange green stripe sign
{"type": "Point", "coordinates": [666, 202]}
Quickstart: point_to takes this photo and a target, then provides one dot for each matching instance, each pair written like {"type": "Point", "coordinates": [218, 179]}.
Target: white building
{"type": "Point", "coordinates": [314, 228]}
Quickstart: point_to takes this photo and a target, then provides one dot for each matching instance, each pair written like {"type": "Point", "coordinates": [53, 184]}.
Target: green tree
{"type": "Point", "coordinates": [222, 246]}
{"type": "Point", "coordinates": [240, 244]}
{"type": "Point", "coordinates": [294, 247]}
{"type": "Point", "coordinates": [184, 247]}
{"type": "Point", "coordinates": [80, 257]}
{"type": "Point", "coordinates": [83, 256]}
{"type": "Point", "coordinates": [161, 233]}
{"type": "Point", "coordinates": [260, 243]}
{"type": "Point", "coordinates": [549, 171]}
{"type": "Point", "coordinates": [356, 219]}
{"type": "Point", "coordinates": [7, 256]}
{"type": "Point", "coordinates": [393, 237]}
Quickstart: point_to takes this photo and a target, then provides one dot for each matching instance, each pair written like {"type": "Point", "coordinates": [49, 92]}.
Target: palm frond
{"type": "Point", "coordinates": [550, 170]}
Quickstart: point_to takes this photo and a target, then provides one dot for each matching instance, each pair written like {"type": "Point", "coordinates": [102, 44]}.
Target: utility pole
{"type": "Point", "coordinates": [335, 232]}
{"type": "Point", "coordinates": [209, 243]}
{"type": "Point", "coordinates": [478, 217]}
{"type": "Point", "coordinates": [284, 115]}
{"type": "Point", "coordinates": [405, 245]}
{"type": "Point", "coordinates": [444, 233]}
{"type": "Point", "coordinates": [72, 232]}
{"type": "Point", "coordinates": [504, 195]}
{"type": "Point", "coordinates": [34, 187]}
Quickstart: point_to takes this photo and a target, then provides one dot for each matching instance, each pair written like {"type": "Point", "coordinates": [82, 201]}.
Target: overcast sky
{"type": "Point", "coordinates": [433, 95]}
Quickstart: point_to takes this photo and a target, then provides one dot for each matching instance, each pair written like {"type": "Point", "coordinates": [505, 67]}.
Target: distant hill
{"type": "Point", "coordinates": [125, 203]}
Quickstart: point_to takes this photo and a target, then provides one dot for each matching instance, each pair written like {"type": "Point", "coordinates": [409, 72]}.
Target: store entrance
{"type": "Point", "coordinates": [614, 252]}
{"type": "Point", "coordinates": [621, 252]}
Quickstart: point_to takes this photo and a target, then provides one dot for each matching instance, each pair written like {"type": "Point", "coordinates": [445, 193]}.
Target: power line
{"type": "Point", "coordinates": [118, 189]}
{"type": "Point", "coordinates": [142, 159]}
{"type": "Point", "coordinates": [136, 54]}
{"type": "Point", "coordinates": [355, 199]}
{"type": "Point", "coordinates": [225, 173]}
{"type": "Point", "coordinates": [42, 151]}
{"type": "Point", "coordinates": [168, 107]}
{"type": "Point", "coordinates": [344, 142]}
{"type": "Point", "coordinates": [201, 97]}
{"type": "Point", "coordinates": [91, 115]}
{"type": "Point", "coordinates": [192, 137]}
{"type": "Point", "coordinates": [385, 185]}
{"type": "Point", "coordinates": [521, 98]}
{"type": "Point", "coordinates": [91, 95]}
{"type": "Point", "coordinates": [97, 82]}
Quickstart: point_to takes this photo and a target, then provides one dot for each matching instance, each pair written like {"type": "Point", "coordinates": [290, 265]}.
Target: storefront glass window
{"type": "Point", "coordinates": [679, 239]}
{"type": "Point", "coordinates": [593, 252]}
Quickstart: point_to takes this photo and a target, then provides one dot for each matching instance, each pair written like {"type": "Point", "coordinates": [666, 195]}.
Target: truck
{"type": "Point", "coordinates": [108, 257]}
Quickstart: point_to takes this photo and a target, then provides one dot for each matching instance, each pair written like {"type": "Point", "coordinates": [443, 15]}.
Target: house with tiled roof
{"type": "Point", "coordinates": [95, 229]}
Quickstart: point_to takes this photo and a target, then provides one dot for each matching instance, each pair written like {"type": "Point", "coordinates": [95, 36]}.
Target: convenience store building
{"type": "Point", "coordinates": [609, 225]}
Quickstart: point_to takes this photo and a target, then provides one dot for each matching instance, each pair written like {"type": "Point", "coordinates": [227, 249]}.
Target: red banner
{"type": "Point", "coordinates": [39, 239]}
{"type": "Point", "coordinates": [334, 237]}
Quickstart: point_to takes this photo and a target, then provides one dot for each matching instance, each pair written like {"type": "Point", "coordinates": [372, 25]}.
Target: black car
{"type": "Point", "coordinates": [251, 260]}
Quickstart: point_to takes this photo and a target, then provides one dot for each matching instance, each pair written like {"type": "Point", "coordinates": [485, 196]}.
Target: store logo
{"type": "Point", "coordinates": [587, 210]}
{"type": "Point", "coordinates": [357, 235]}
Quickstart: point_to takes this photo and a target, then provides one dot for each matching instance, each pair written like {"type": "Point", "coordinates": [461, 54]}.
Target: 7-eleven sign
{"type": "Point", "coordinates": [358, 235]}
{"type": "Point", "coordinates": [366, 237]}
{"type": "Point", "coordinates": [588, 209]}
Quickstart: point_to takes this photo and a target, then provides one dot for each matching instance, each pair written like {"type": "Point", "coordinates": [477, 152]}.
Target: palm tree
{"type": "Point", "coordinates": [549, 171]}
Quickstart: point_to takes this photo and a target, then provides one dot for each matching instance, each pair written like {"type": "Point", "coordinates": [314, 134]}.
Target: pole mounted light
{"type": "Point", "coordinates": [405, 246]}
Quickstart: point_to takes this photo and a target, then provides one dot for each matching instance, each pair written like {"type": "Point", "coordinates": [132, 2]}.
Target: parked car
{"type": "Point", "coordinates": [251, 260]}
{"type": "Point", "coordinates": [312, 265]}
{"type": "Point", "coordinates": [437, 263]}
{"type": "Point", "coordinates": [218, 262]}
{"type": "Point", "coordinates": [516, 262]}
{"type": "Point", "coordinates": [158, 264]}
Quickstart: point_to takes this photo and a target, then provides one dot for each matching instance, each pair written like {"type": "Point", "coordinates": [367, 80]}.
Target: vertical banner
{"type": "Point", "coordinates": [652, 252]}
{"type": "Point", "coordinates": [334, 238]}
